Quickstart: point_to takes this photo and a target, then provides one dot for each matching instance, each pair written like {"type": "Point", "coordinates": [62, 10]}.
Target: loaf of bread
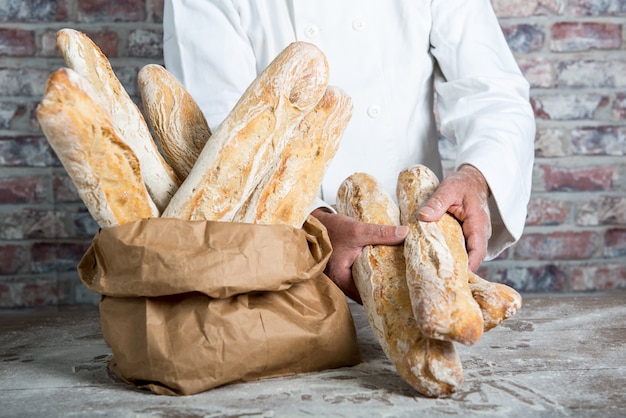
{"type": "Point", "coordinates": [103, 167]}
{"type": "Point", "coordinates": [248, 144]}
{"type": "Point", "coordinates": [286, 196]}
{"type": "Point", "coordinates": [176, 120]}
{"type": "Point", "coordinates": [84, 57]}
{"type": "Point", "coordinates": [436, 264]}
{"type": "Point", "coordinates": [431, 366]}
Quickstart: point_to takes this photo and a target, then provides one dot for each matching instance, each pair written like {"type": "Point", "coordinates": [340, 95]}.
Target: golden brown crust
{"type": "Point", "coordinates": [85, 58]}
{"type": "Point", "coordinates": [248, 144]}
{"type": "Point", "coordinates": [104, 169]}
{"type": "Point", "coordinates": [286, 196]}
{"type": "Point", "coordinates": [177, 122]}
{"type": "Point", "coordinates": [432, 367]}
{"type": "Point", "coordinates": [498, 302]}
{"type": "Point", "coordinates": [436, 261]}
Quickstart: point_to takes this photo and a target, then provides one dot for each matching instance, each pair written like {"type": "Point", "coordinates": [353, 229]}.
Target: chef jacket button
{"type": "Point", "coordinates": [373, 111]}
{"type": "Point", "coordinates": [358, 25]}
{"type": "Point", "coordinates": [311, 31]}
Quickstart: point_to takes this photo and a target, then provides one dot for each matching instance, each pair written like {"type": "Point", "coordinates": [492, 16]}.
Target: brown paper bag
{"type": "Point", "coordinates": [191, 305]}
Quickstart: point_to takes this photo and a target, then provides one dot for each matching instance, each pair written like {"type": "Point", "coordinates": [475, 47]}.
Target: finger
{"type": "Point", "coordinates": [477, 231]}
{"type": "Point", "coordinates": [342, 276]}
{"type": "Point", "coordinates": [434, 208]}
{"type": "Point", "coordinates": [372, 234]}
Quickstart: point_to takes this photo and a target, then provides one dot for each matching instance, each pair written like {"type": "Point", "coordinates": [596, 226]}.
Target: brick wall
{"type": "Point", "coordinates": [572, 52]}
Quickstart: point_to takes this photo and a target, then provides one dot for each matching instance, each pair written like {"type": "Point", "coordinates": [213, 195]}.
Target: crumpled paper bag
{"type": "Point", "coordinates": [191, 305]}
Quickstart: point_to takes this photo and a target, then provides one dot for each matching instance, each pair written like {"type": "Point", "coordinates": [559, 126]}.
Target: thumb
{"type": "Point", "coordinates": [385, 234]}
{"type": "Point", "coordinates": [433, 209]}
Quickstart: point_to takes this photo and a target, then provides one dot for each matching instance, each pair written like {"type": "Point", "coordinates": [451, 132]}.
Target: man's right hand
{"type": "Point", "coordinates": [348, 237]}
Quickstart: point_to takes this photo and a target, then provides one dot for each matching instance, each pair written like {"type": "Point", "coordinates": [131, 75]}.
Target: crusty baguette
{"type": "Point", "coordinates": [103, 168]}
{"type": "Point", "coordinates": [248, 144]}
{"type": "Point", "coordinates": [436, 263]}
{"type": "Point", "coordinates": [431, 366]}
{"type": "Point", "coordinates": [176, 120]}
{"type": "Point", "coordinates": [498, 302]}
{"type": "Point", "coordinates": [84, 57]}
{"type": "Point", "coordinates": [286, 196]}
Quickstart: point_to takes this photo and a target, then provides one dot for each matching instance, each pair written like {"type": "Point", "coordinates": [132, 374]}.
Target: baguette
{"type": "Point", "coordinates": [102, 166]}
{"type": "Point", "coordinates": [436, 264]}
{"type": "Point", "coordinates": [430, 366]}
{"type": "Point", "coordinates": [286, 196]}
{"type": "Point", "coordinates": [84, 57]}
{"type": "Point", "coordinates": [498, 302]}
{"type": "Point", "coordinates": [248, 144]}
{"type": "Point", "coordinates": [176, 120]}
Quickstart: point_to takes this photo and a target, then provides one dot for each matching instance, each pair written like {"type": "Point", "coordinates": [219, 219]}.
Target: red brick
{"type": "Point", "coordinates": [568, 106]}
{"type": "Point", "coordinates": [524, 38]}
{"type": "Point", "coordinates": [583, 36]}
{"type": "Point", "coordinates": [17, 42]}
{"type": "Point", "coordinates": [615, 242]}
{"type": "Point", "coordinates": [560, 245]}
{"type": "Point", "coordinates": [598, 140]}
{"type": "Point", "coordinates": [538, 71]}
{"type": "Point", "coordinates": [36, 293]}
{"type": "Point", "coordinates": [604, 210]}
{"type": "Point", "coordinates": [507, 8]}
{"type": "Point", "coordinates": [16, 190]}
{"type": "Point", "coordinates": [48, 257]}
{"type": "Point", "coordinates": [13, 259]}
{"type": "Point", "coordinates": [546, 211]}
{"type": "Point", "coordinates": [111, 11]}
{"type": "Point", "coordinates": [593, 178]}
{"type": "Point", "coordinates": [600, 276]}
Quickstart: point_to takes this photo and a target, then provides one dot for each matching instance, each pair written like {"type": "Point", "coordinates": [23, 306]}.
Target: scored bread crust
{"type": "Point", "coordinates": [84, 57]}
{"type": "Point", "coordinates": [286, 196]}
{"type": "Point", "coordinates": [177, 122]}
{"type": "Point", "coordinates": [430, 366]}
{"type": "Point", "coordinates": [436, 263]}
{"type": "Point", "coordinates": [497, 301]}
{"type": "Point", "coordinates": [248, 144]}
{"type": "Point", "coordinates": [104, 169]}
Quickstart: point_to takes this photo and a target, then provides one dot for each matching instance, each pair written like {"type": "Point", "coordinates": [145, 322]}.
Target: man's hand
{"type": "Point", "coordinates": [464, 194]}
{"type": "Point", "coordinates": [348, 237]}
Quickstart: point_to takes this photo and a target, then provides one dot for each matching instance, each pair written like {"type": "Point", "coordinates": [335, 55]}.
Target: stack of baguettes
{"type": "Point", "coordinates": [264, 164]}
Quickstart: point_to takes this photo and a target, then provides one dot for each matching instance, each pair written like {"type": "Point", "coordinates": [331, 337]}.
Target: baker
{"type": "Point", "coordinates": [399, 61]}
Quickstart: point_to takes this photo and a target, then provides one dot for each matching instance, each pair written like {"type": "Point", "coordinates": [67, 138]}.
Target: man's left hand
{"type": "Point", "coordinates": [464, 194]}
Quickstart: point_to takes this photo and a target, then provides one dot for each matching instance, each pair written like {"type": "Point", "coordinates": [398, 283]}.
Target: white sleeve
{"type": "Point", "coordinates": [483, 104]}
{"type": "Point", "coordinates": [205, 48]}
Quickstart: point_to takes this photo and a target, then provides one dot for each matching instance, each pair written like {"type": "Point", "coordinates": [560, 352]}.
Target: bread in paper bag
{"type": "Point", "coordinates": [181, 331]}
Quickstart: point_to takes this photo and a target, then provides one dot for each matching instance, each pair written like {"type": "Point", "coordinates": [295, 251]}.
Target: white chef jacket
{"type": "Point", "coordinates": [390, 56]}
